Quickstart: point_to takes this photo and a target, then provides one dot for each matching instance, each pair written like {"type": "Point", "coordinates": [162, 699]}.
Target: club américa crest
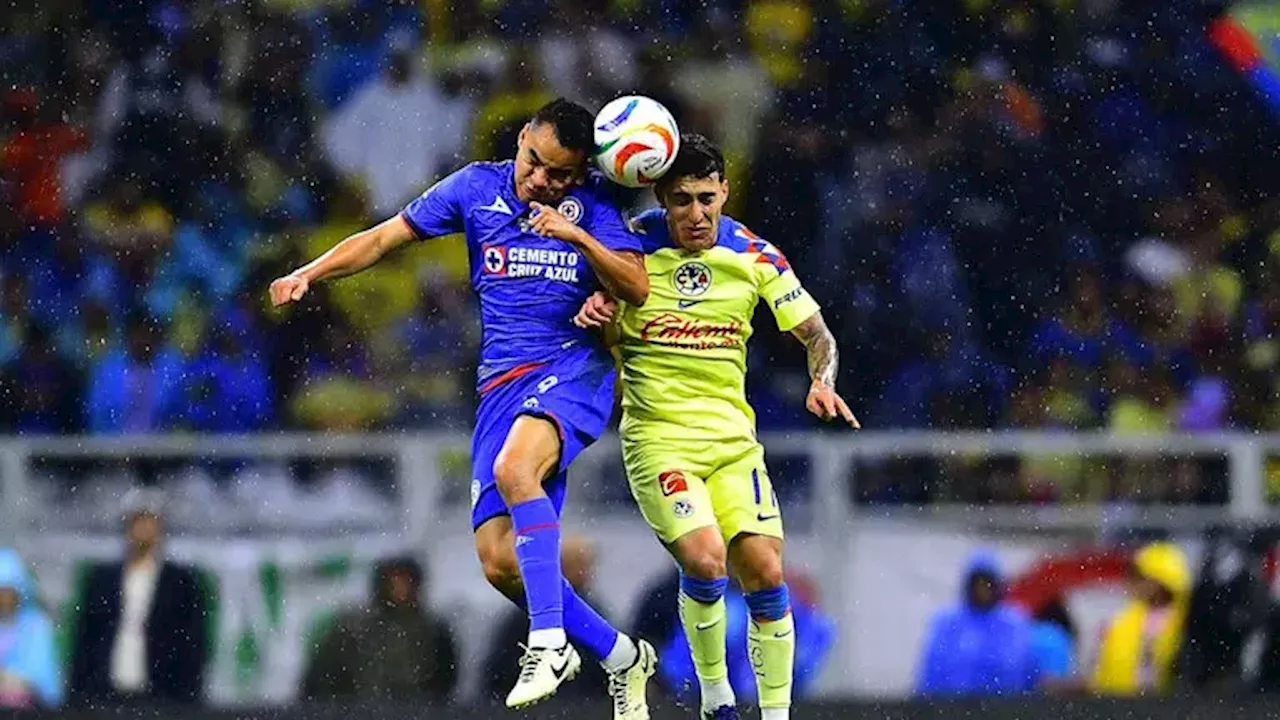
{"type": "Point", "coordinates": [692, 278]}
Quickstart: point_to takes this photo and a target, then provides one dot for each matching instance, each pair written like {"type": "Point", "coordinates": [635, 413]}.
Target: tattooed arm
{"type": "Point", "coordinates": [824, 361]}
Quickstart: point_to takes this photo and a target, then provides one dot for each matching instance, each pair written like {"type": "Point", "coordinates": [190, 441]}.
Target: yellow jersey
{"type": "Point", "coordinates": [684, 352]}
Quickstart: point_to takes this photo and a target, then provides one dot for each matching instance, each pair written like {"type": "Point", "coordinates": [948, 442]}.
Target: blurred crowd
{"type": "Point", "coordinates": [1211, 629]}
{"type": "Point", "coordinates": [1025, 214]}
{"type": "Point", "coordinates": [141, 630]}
{"type": "Point", "coordinates": [1016, 213]}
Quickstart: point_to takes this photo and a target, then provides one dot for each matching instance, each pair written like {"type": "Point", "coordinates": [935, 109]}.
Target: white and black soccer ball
{"type": "Point", "coordinates": [636, 140]}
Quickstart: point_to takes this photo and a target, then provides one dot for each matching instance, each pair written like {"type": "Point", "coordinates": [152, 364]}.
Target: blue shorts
{"type": "Point", "coordinates": [574, 391]}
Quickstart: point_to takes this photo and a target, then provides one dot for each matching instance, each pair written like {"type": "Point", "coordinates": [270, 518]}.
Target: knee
{"type": "Point", "coordinates": [761, 571]}
{"type": "Point", "coordinates": [765, 575]}
{"type": "Point", "coordinates": [498, 559]}
{"type": "Point", "coordinates": [704, 563]}
{"type": "Point", "coordinates": [515, 479]}
{"type": "Point", "coordinates": [703, 572]}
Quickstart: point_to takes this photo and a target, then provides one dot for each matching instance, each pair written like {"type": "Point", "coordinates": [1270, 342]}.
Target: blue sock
{"type": "Point", "coordinates": [585, 626]}
{"type": "Point", "coordinates": [538, 553]}
{"type": "Point", "coordinates": [769, 605]}
{"type": "Point", "coordinates": [707, 592]}
{"type": "Point", "coordinates": [582, 624]}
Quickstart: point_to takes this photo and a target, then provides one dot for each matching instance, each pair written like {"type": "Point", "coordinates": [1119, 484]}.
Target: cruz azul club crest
{"type": "Point", "coordinates": [571, 209]}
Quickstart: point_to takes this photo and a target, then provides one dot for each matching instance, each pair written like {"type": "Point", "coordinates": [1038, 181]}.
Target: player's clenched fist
{"type": "Point", "coordinates": [597, 311]}
{"type": "Point", "coordinates": [549, 222]}
{"type": "Point", "coordinates": [826, 404]}
{"type": "Point", "coordinates": [287, 289]}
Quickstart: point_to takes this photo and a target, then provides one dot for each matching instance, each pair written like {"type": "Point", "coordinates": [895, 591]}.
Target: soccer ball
{"type": "Point", "coordinates": [636, 140]}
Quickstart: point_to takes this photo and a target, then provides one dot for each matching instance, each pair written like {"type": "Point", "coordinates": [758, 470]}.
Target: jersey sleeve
{"type": "Point", "coordinates": [778, 286]}
{"type": "Point", "coordinates": [439, 210]}
{"type": "Point", "coordinates": [609, 227]}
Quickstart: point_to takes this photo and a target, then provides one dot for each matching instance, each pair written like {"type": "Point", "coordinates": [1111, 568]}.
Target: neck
{"type": "Point", "coordinates": [139, 557]}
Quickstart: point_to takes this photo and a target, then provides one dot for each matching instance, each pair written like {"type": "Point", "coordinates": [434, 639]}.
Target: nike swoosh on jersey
{"type": "Point", "coordinates": [684, 304]}
{"type": "Point", "coordinates": [762, 517]}
{"type": "Point", "coordinates": [498, 205]}
{"type": "Point", "coordinates": [781, 635]}
{"type": "Point", "coordinates": [706, 626]}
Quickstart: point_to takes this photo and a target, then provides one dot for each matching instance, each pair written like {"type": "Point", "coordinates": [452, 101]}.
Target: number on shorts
{"type": "Point", "coordinates": [755, 484]}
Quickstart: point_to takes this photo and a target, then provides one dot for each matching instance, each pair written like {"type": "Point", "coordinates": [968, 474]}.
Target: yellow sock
{"type": "Point", "coordinates": [772, 646]}
{"type": "Point", "coordinates": [704, 626]}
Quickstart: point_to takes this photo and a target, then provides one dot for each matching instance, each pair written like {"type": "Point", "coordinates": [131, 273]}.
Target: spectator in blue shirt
{"type": "Point", "coordinates": [1053, 644]}
{"type": "Point", "coordinates": [225, 388]}
{"type": "Point", "coordinates": [130, 390]}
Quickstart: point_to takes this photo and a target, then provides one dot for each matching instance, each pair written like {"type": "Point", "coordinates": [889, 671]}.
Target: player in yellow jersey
{"type": "Point", "coordinates": [689, 442]}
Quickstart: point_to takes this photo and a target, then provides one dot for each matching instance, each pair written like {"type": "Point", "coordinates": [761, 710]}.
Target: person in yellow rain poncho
{"type": "Point", "coordinates": [1141, 642]}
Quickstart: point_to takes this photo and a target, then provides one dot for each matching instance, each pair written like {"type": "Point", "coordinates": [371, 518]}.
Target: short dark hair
{"type": "Point", "coordinates": [698, 157]}
{"type": "Point", "coordinates": [572, 122]}
{"type": "Point", "coordinates": [404, 564]}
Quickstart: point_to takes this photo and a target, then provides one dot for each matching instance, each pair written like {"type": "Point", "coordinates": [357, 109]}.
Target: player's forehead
{"type": "Point", "coordinates": [542, 141]}
{"type": "Point", "coordinates": [691, 185]}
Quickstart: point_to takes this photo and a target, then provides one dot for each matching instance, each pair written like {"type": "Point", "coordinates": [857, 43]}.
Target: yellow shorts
{"type": "Point", "coordinates": [683, 486]}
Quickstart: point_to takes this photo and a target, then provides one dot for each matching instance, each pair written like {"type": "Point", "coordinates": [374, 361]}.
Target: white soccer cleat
{"type": "Point", "coordinates": [542, 672]}
{"type": "Point", "coordinates": [627, 688]}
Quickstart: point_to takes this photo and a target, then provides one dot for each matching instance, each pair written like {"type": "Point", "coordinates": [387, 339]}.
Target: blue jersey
{"type": "Point", "coordinates": [529, 286]}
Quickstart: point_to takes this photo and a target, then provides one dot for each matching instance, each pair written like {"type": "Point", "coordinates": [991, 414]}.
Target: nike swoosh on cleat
{"type": "Point", "coordinates": [564, 665]}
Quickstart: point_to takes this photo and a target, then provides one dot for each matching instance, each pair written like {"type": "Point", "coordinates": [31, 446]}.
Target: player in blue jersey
{"type": "Point", "coordinates": [543, 233]}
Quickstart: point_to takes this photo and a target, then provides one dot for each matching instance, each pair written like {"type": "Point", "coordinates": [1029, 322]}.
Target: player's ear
{"type": "Point", "coordinates": [724, 189]}
{"type": "Point", "coordinates": [524, 133]}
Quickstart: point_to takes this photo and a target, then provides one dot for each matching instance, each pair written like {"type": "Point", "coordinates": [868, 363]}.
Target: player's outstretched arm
{"type": "Point", "coordinates": [353, 254]}
{"type": "Point", "coordinates": [824, 361]}
{"type": "Point", "coordinates": [622, 273]}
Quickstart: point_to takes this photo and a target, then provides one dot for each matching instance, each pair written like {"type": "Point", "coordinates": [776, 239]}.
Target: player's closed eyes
{"type": "Point", "coordinates": [553, 174]}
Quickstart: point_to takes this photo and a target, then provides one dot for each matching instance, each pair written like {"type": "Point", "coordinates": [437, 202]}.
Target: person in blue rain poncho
{"type": "Point", "coordinates": [981, 646]}
{"type": "Point", "coordinates": [29, 674]}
